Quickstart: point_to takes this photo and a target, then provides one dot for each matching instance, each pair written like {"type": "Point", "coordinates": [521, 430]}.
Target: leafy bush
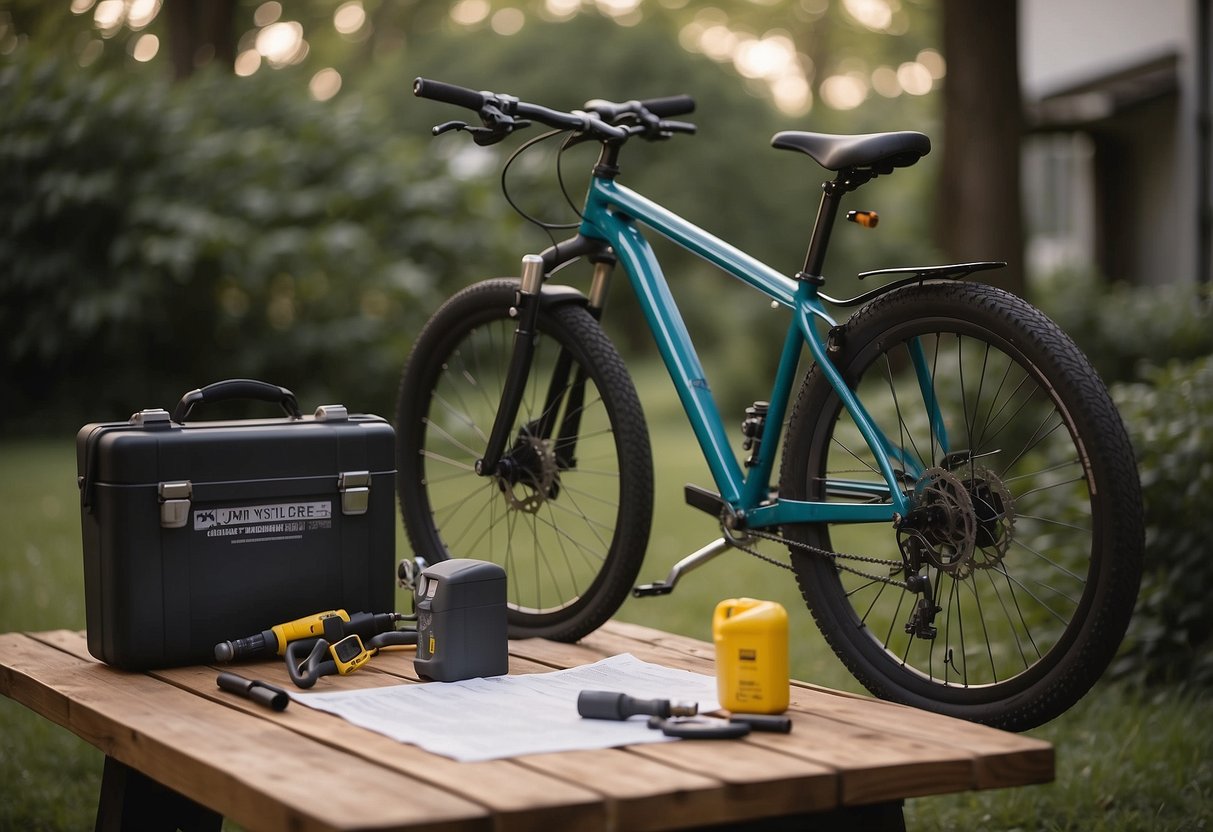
{"type": "Point", "coordinates": [1154, 347]}
{"type": "Point", "coordinates": [157, 238]}
{"type": "Point", "coordinates": [1127, 329]}
{"type": "Point", "coordinates": [1170, 419]}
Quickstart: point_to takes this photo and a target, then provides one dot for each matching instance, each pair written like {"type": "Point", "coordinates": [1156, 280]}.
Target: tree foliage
{"type": "Point", "coordinates": [155, 239]}
{"type": "Point", "coordinates": [163, 235]}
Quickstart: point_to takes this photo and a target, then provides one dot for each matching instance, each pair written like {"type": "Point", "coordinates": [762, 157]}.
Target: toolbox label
{"type": "Point", "coordinates": [245, 519]}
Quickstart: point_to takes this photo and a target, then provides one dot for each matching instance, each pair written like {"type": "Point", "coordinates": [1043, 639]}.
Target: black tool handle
{"type": "Point", "coordinates": [773, 723]}
{"type": "Point", "coordinates": [237, 388]}
{"type": "Point", "coordinates": [260, 692]}
{"type": "Point", "coordinates": [605, 704]}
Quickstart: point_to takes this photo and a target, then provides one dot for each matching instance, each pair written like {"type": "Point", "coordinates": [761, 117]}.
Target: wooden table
{"type": "Point", "coordinates": [181, 751]}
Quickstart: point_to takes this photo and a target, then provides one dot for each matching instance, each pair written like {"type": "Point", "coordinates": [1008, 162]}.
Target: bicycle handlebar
{"type": "Point", "coordinates": [672, 105]}
{"type": "Point", "coordinates": [604, 120]}
{"type": "Point", "coordinates": [448, 93]}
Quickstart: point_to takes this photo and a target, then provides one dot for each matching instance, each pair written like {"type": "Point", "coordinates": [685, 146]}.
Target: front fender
{"type": "Point", "coordinates": [555, 294]}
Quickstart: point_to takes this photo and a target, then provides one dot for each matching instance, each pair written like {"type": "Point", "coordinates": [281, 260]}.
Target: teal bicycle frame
{"type": "Point", "coordinates": [613, 214]}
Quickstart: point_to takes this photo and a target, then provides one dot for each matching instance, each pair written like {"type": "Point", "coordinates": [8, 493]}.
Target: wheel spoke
{"type": "Point", "coordinates": [567, 512]}
{"type": "Point", "coordinates": [1005, 519]}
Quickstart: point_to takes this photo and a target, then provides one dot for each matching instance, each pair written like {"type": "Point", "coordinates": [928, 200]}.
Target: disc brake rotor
{"type": "Point", "coordinates": [995, 514]}
{"type": "Point", "coordinates": [941, 528]}
{"type": "Point", "coordinates": [535, 473]}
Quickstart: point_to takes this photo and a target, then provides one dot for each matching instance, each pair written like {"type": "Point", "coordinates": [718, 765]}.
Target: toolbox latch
{"type": "Point", "coordinates": [332, 413]}
{"type": "Point", "coordinates": [355, 488]}
{"type": "Point", "coordinates": [152, 419]}
{"type": "Point", "coordinates": [175, 503]}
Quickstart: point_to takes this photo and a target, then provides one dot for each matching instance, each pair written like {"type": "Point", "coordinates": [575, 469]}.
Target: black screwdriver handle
{"type": "Point", "coordinates": [263, 693]}
{"type": "Point", "coordinates": [604, 704]}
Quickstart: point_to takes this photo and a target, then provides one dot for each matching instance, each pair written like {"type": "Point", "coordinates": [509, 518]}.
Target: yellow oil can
{"type": "Point", "coordinates": [751, 639]}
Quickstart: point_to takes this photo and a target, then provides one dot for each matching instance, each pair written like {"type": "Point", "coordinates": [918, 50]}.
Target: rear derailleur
{"type": "Point", "coordinates": [939, 532]}
{"type": "Point", "coordinates": [922, 620]}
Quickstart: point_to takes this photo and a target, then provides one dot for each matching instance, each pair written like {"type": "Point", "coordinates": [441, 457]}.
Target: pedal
{"type": "Point", "coordinates": [650, 590]}
{"type": "Point", "coordinates": [704, 500]}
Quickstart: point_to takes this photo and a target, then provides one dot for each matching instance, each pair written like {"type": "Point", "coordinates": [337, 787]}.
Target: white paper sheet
{"type": "Point", "coordinates": [507, 716]}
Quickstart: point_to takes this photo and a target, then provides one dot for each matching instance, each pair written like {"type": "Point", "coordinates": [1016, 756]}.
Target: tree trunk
{"type": "Point", "coordinates": [979, 215]}
{"type": "Point", "coordinates": [200, 31]}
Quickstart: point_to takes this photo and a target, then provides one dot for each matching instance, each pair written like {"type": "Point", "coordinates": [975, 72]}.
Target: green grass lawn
{"type": "Point", "coordinates": [1126, 759]}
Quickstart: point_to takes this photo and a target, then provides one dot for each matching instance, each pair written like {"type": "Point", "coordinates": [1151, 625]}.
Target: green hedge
{"type": "Point", "coordinates": [155, 238]}
{"type": "Point", "coordinates": [1154, 347]}
{"type": "Point", "coordinates": [1170, 419]}
{"type": "Point", "coordinates": [1124, 329]}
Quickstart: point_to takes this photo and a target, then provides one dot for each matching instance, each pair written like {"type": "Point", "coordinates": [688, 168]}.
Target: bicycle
{"type": "Point", "coordinates": [956, 491]}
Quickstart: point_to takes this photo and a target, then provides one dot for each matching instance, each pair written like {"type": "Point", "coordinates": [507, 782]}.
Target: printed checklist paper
{"type": "Point", "coordinates": [508, 716]}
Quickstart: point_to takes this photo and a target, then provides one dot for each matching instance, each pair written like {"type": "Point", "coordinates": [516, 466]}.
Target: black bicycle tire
{"type": "Point", "coordinates": [570, 326]}
{"type": "Point", "coordinates": [1089, 642]}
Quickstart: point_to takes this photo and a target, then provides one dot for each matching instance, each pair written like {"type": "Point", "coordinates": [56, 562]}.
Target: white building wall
{"type": "Point", "coordinates": [1064, 43]}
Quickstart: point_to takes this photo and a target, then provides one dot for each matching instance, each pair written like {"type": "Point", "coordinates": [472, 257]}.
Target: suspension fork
{"type": "Point", "coordinates": [526, 312]}
{"type": "Point", "coordinates": [566, 441]}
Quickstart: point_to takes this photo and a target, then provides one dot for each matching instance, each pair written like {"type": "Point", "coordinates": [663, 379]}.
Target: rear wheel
{"type": "Point", "coordinates": [1025, 508]}
{"type": "Point", "coordinates": [568, 513]}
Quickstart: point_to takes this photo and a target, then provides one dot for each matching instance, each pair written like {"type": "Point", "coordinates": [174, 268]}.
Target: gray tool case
{"type": "Point", "coordinates": [200, 532]}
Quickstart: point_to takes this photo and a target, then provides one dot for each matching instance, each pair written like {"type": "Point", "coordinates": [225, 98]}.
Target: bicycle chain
{"type": "Point", "coordinates": [816, 550]}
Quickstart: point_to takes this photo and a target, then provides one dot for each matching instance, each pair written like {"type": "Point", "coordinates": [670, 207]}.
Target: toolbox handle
{"type": "Point", "coordinates": [238, 388]}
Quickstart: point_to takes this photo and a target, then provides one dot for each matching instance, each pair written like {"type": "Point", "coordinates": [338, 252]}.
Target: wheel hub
{"type": "Point", "coordinates": [995, 515]}
{"type": "Point", "coordinates": [528, 476]}
{"type": "Point", "coordinates": [955, 524]}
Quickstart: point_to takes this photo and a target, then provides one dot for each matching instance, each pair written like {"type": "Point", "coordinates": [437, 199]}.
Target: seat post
{"type": "Point", "coordinates": [827, 212]}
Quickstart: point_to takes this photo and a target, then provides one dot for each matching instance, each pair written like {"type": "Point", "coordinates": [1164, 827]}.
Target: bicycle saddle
{"type": "Point", "coordinates": [881, 151]}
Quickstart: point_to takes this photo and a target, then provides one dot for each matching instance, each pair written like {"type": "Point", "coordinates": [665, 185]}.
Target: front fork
{"type": "Point", "coordinates": [525, 311]}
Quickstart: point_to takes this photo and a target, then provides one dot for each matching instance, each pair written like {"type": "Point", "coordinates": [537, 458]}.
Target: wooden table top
{"type": "Point", "coordinates": [302, 769]}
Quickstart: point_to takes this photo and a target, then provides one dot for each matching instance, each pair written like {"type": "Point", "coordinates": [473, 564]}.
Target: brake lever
{"type": "Point", "coordinates": [481, 135]}
{"type": "Point", "coordinates": [485, 136]}
{"type": "Point", "coordinates": [667, 129]}
{"type": "Point", "coordinates": [448, 126]}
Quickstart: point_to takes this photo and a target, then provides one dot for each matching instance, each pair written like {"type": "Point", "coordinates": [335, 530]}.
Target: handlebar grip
{"type": "Point", "coordinates": [448, 93]}
{"type": "Point", "coordinates": [670, 105]}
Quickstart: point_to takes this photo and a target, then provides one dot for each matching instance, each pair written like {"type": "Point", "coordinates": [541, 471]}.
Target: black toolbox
{"type": "Point", "coordinates": [200, 532]}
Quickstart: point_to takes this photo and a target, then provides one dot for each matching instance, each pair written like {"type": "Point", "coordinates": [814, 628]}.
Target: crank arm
{"type": "Point", "coordinates": [690, 562]}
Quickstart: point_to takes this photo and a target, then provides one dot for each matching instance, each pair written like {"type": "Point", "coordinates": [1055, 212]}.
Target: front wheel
{"type": "Point", "coordinates": [1025, 515]}
{"type": "Point", "coordinates": [567, 514]}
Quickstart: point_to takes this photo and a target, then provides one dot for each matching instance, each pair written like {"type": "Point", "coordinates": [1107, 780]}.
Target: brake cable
{"type": "Point", "coordinates": [548, 227]}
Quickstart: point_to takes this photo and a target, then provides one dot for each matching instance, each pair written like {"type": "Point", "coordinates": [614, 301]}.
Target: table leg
{"type": "Point", "coordinates": [130, 800]}
{"type": "Point", "coordinates": [879, 817]}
